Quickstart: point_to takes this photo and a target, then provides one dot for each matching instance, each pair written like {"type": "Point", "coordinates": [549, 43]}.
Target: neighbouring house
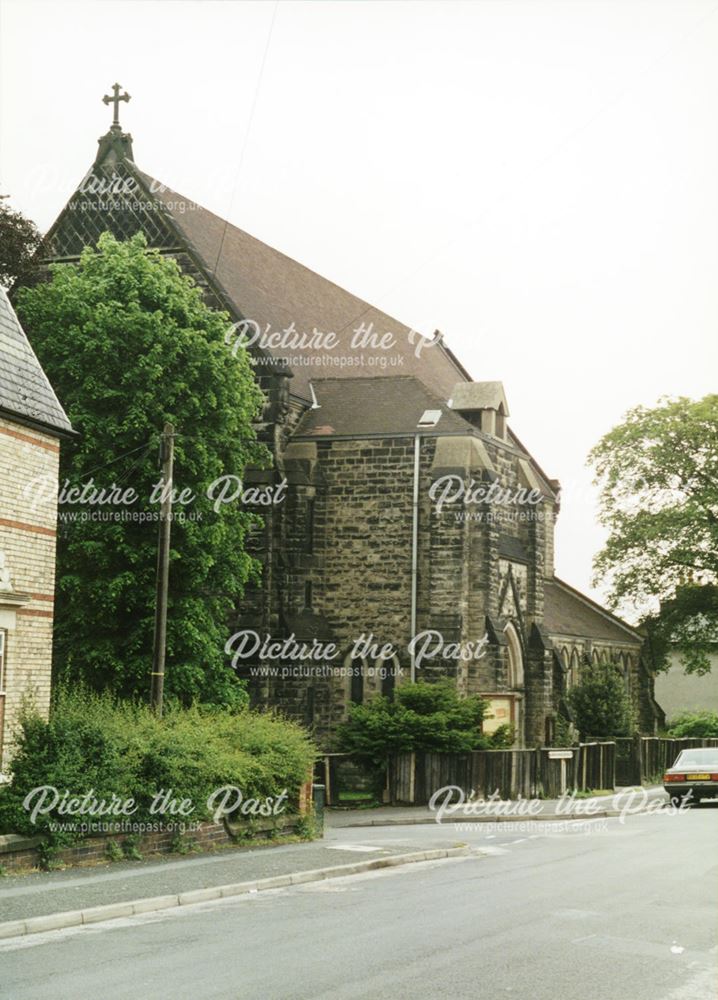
{"type": "Point", "coordinates": [32, 422]}
{"type": "Point", "coordinates": [370, 423]}
{"type": "Point", "coordinates": [678, 692]}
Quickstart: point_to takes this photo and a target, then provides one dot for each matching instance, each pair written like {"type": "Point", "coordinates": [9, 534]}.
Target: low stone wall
{"type": "Point", "coordinates": [21, 853]}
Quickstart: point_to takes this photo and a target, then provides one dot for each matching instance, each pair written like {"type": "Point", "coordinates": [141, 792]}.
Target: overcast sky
{"type": "Point", "coordinates": [537, 180]}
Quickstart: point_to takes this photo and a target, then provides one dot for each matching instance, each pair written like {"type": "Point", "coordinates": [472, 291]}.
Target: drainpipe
{"type": "Point", "coordinates": [414, 548]}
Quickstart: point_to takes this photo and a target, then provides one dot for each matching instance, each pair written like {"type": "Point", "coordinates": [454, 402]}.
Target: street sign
{"type": "Point", "coordinates": [560, 754]}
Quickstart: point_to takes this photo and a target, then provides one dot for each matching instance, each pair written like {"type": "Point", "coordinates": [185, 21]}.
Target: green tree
{"type": "Point", "coordinates": [422, 716]}
{"type": "Point", "coordinates": [600, 703]}
{"type": "Point", "coordinates": [128, 342]}
{"type": "Point", "coordinates": [698, 725]}
{"type": "Point", "coordinates": [658, 474]}
{"type": "Point", "coordinates": [19, 242]}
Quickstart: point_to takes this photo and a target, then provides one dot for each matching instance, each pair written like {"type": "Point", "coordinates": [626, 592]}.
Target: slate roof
{"type": "Point", "coordinates": [569, 612]}
{"type": "Point", "coordinates": [384, 405]}
{"type": "Point", "coordinates": [266, 286]}
{"type": "Point", "coordinates": [25, 390]}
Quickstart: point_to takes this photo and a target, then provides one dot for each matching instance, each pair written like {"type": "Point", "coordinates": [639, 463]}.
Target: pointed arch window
{"type": "Point", "coordinates": [574, 669]}
{"type": "Point", "coordinates": [355, 669]}
{"type": "Point", "coordinates": [388, 671]}
{"type": "Point", "coordinates": [516, 657]}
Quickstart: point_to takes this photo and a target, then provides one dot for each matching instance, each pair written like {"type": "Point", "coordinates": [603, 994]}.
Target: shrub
{"type": "Point", "coordinates": [94, 743]}
{"type": "Point", "coordinates": [700, 725]}
{"type": "Point", "coordinates": [503, 737]}
{"type": "Point", "coordinates": [430, 717]}
{"type": "Point", "coordinates": [600, 703]}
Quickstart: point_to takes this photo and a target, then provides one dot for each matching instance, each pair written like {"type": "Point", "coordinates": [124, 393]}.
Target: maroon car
{"type": "Point", "coordinates": [693, 776]}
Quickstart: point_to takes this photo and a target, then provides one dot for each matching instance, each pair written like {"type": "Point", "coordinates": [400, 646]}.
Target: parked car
{"type": "Point", "coordinates": [694, 771]}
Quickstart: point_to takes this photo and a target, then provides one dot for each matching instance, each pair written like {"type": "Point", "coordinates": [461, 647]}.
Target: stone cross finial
{"type": "Point", "coordinates": [115, 100]}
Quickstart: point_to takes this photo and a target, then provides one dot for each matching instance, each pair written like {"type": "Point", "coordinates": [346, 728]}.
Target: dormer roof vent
{"type": "Point", "coordinates": [484, 404]}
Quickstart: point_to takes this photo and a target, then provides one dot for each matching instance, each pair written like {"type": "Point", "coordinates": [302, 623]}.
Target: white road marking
{"type": "Point", "coordinates": [352, 847]}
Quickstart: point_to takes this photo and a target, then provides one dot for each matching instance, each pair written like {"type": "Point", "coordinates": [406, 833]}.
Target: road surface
{"type": "Point", "coordinates": [625, 912]}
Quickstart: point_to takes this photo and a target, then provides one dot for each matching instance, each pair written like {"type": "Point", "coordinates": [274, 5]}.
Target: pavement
{"type": "Point", "coordinates": [595, 910]}
{"type": "Point", "coordinates": [505, 811]}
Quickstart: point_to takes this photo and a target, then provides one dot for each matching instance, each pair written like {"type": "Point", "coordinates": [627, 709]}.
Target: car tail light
{"type": "Point", "coordinates": [675, 777]}
{"type": "Point", "coordinates": [714, 777]}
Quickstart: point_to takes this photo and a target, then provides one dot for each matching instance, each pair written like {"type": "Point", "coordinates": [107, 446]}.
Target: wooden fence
{"type": "Point", "coordinates": [412, 778]}
{"type": "Point", "coordinates": [643, 759]}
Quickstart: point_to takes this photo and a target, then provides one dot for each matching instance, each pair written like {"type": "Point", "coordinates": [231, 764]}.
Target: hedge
{"type": "Point", "coordinates": [95, 743]}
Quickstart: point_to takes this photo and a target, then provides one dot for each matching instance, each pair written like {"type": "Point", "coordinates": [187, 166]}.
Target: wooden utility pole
{"type": "Point", "coordinates": [163, 569]}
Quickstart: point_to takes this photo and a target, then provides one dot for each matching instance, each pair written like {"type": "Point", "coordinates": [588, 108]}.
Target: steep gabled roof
{"type": "Point", "coordinates": [385, 405]}
{"type": "Point", "coordinates": [275, 291]}
{"type": "Point", "coordinates": [569, 612]}
{"type": "Point", "coordinates": [25, 391]}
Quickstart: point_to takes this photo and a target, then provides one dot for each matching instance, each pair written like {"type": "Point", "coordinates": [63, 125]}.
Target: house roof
{"type": "Point", "coordinates": [25, 391]}
{"type": "Point", "coordinates": [274, 291]}
{"type": "Point", "coordinates": [384, 405]}
{"type": "Point", "coordinates": [569, 612]}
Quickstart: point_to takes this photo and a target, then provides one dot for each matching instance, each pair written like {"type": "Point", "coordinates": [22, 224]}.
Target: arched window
{"type": "Point", "coordinates": [388, 671]}
{"type": "Point", "coordinates": [626, 669]}
{"type": "Point", "coordinates": [574, 673]}
{"type": "Point", "coordinates": [516, 657]}
{"type": "Point", "coordinates": [355, 669]}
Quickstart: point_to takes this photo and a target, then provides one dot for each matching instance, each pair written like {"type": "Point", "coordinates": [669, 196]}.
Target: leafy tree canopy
{"type": "Point", "coordinates": [658, 474]}
{"type": "Point", "coordinates": [600, 703]}
{"type": "Point", "coordinates": [19, 241]}
{"type": "Point", "coordinates": [128, 342]}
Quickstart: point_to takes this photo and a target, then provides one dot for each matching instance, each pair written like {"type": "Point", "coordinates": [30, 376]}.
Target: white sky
{"type": "Point", "coordinates": [538, 180]}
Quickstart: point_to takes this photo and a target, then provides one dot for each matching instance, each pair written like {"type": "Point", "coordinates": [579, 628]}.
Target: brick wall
{"type": "Point", "coordinates": [27, 539]}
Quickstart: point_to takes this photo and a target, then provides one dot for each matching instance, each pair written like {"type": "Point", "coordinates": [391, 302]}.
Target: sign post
{"type": "Point", "coordinates": [563, 756]}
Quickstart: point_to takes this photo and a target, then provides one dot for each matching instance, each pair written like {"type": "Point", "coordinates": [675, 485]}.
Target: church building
{"type": "Point", "coordinates": [415, 539]}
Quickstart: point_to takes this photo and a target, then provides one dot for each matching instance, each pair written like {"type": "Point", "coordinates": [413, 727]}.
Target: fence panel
{"type": "Point", "coordinates": [658, 753]}
{"type": "Point", "coordinates": [401, 775]}
{"type": "Point", "coordinates": [511, 773]}
{"type": "Point", "coordinates": [628, 760]}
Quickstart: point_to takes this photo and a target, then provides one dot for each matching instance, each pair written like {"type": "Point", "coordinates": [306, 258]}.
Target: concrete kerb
{"type": "Point", "coordinates": [113, 911]}
{"type": "Point", "coordinates": [450, 820]}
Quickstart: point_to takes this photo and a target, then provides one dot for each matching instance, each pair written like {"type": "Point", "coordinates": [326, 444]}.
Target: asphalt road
{"type": "Point", "coordinates": [625, 912]}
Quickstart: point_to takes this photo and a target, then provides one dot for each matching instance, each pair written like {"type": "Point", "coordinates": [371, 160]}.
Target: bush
{"type": "Point", "coordinates": [699, 725]}
{"type": "Point", "coordinates": [430, 717]}
{"type": "Point", "coordinates": [94, 743]}
{"type": "Point", "coordinates": [600, 703]}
